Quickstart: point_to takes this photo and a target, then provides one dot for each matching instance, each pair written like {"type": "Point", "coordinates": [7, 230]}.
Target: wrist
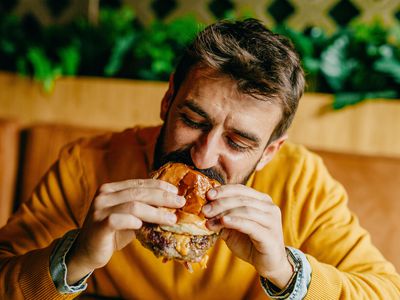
{"type": "Point", "coordinates": [280, 278]}
{"type": "Point", "coordinates": [58, 267]}
{"type": "Point", "coordinates": [77, 266]}
{"type": "Point", "coordinates": [297, 286]}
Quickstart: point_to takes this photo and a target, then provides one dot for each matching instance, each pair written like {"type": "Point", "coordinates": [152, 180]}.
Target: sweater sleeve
{"type": "Point", "coordinates": [56, 206]}
{"type": "Point", "coordinates": [344, 262]}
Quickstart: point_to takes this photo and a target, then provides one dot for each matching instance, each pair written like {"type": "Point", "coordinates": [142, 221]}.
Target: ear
{"type": "Point", "coordinates": [167, 99]}
{"type": "Point", "coordinates": [270, 152]}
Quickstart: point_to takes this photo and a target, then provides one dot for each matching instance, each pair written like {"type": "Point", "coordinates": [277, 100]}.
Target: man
{"type": "Point", "coordinates": [286, 230]}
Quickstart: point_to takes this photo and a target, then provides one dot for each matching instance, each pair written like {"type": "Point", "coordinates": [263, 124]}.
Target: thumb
{"type": "Point", "coordinates": [225, 234]}
{"type": "Point", "coordinates": [123, 238]}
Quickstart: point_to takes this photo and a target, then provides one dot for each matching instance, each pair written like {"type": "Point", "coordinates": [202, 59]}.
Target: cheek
{"type": "Point", "coordinates": [236, 166]}
{"type": "Point", "coordinates": [178, 136]}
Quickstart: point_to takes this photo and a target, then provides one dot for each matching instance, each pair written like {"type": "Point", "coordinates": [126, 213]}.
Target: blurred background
{"type": "Point", "coordinates": [73, 68]}
{"type": "Point", "coordinates": [348, 47]}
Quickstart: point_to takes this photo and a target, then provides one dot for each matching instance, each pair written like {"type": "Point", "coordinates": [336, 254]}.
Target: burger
{"type": "Point", "coordinates": [189, 239]}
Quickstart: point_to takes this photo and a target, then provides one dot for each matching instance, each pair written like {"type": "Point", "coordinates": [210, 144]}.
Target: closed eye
{"type": "Point", "coordinates": [196, 125]}
{"type": "Point", "coordinates": [204, 126]}
{"type": "Point", "coordinates": [236, 146]}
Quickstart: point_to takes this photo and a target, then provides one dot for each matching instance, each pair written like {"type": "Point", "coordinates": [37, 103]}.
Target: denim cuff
{"type": "Point", "coordinates": [58, 267]}
{"type": "Point", "coordinates": [297, 287]}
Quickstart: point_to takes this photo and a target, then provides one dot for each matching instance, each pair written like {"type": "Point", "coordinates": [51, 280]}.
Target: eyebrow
{"type": "Point", "coordinates": [197, 109]}
{"type": "Point", "coordinates": [247, 135]}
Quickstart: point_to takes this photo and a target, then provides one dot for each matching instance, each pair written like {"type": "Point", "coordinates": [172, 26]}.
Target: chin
{"type": "Point", "coordinates": [189, 239]}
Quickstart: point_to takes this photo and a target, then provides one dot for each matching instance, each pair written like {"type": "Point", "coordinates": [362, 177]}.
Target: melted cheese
{"type": "Point", "coordinates": [203, 262]}
{"type": "Point", "coordinates": [182, 244]}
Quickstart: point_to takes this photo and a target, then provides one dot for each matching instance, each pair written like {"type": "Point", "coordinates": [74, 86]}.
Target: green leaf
{"type": "Point", "coordinates": [394, 35]}
{"type": "Point", "coordinates": [40, 63]}
{"type": "Point", "coordinates": [7, 46]}
{"type": "Point", "coordinates": [22, 67]}
{"type": "Point", "coordinates": [43, 71]}
{"type": "Point", "coordinates": [336, 65]}
{"type": "Point", "coordinates": [343, 99]}
{"type": "Point", "coordinates": [373, 33]}
{"type": "Point", "coordinates": [121, 47]}
{"type": "Point", "coordinates": [183, 30]}
{"type": "Point", "coordinates": [311, 65]}
{"type": "Point", "coordinates": [116, 20]}
{"type": "Point", "coordinates": [302, 42]}
{"type": "Point", "coordinates": [389, 66]}
{"type": "Point", "coordinates": [70, 58]}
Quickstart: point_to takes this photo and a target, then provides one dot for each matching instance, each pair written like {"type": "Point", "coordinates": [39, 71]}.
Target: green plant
{"type": "Point", "coordinates": [356, 63]}
{"type": "Point", "coordinates": [116, 46]}
{"type": "Point", "coordinates": [160, 45]}
{"type": "Point", "coordinates": [359, 62]}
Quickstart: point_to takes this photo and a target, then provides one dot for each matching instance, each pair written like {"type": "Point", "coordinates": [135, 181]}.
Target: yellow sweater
{"type": "Point", "coordinates": [315, 216]}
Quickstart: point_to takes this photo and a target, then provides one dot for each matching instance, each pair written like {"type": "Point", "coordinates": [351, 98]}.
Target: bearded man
{"type": "Point", "coordinates": [286, 231]}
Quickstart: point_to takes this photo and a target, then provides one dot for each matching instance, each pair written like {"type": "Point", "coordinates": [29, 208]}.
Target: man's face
{"type": "Point", "coordinates": [216, 129]}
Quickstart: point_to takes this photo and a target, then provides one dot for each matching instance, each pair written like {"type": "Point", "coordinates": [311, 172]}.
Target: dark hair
{"type": "Point", "coordinates": [264, 65]}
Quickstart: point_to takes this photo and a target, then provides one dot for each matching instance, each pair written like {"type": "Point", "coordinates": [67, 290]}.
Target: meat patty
{"type": "Point", "coordinates": [190, 248]}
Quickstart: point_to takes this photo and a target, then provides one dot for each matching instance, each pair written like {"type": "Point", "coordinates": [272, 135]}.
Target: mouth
{"type": "Point", "coordinates": [183, 156]}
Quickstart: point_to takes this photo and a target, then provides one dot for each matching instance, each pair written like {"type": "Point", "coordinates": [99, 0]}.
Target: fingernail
{"type": "Point", "coordinates": [172, 218]}
{"type": "Point", "coordinates": [180, 199]}
{"type": "Point", "coordinates": [213, 222]}
{"type": "Point", "coordinates": [207, 208]}
{"type": "Point", "coordinates": [227, 219]}
{"type": "Point", "coordinates": [212, 193]}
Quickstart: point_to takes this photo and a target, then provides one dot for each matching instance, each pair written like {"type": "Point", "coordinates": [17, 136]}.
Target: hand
{"type": "Point", "coordinates": [116, 212]}
{"type": "Point", "coordinates": [252, 228]}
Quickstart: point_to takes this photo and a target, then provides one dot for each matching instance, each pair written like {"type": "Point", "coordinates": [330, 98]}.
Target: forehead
{"type": "Point", "coordinates": [219, 97]}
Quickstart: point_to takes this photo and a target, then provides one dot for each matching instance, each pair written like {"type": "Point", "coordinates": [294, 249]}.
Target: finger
{"type": "Point", "coordinates": [254, 230]}
{"type": "Point", "coordinates": [152, 196]}
{"type": "Point", "coordinates": [142, 211]}
{"type": "Point", "coordinates": [242, 225]}
{"type": "Point", "coordinates": [137, 183]}
{"type": "Point", "coordinates": [123, 238]}
{"type": "Point", "coordinates": [216, 207]}
{"type": "Point", "coordinates": [232, 190]}
{"type": "Point", "coordinates": [119, 221]}
{"type": "Point", "coordinates": [215, 224]}
{"type": "Point", "coordinates": [252, 214]}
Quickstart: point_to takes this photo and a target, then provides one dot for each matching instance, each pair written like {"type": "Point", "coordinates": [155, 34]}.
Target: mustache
{"type": "Point", "coordinates": [183, 156]}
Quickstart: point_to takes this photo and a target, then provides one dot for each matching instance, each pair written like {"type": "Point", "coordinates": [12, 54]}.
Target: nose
{"type": "Point", "coordinates": [206, 151]}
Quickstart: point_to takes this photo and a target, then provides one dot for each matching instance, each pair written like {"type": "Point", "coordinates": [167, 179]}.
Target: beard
{"type": "Point", "coordinates": [183, 155]}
